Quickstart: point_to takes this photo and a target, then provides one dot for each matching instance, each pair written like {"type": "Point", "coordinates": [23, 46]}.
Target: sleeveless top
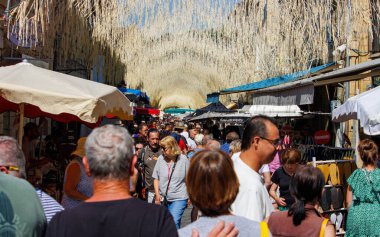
{"type": "Point", "coordinates": [280, 224]}
{"type": "Point", "coordinates": [84, 186]}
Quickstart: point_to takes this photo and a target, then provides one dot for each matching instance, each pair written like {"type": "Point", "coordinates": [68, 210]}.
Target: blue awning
{"type": "Point", "coordinates": [274, 81]}
{"type": "Point", "coordinates": [213, 97]}
{"type": "Point", "coordinates": [139, 94]}
{"type": "Point", "coordinates": [178, 110]}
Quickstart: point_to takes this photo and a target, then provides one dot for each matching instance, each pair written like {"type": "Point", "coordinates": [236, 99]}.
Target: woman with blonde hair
{"type": "Point", "coordinates": [169, 179]}
{"type": "Point", "coordinates": [235, 147]}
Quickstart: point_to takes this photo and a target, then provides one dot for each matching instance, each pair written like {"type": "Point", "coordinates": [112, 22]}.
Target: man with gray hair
{"type": "Point", "coordinates": [20, 210]}
{"type": "Point", "coordinates": [111, 211]}
{"type": "Point", "coordinates": [213, 145]}
{"type": "Point", "coordinates": [11, 154]}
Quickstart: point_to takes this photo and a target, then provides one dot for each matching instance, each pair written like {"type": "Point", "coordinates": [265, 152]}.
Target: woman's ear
{"type": "Point", "coordinates": [4, 170]}
{"type": "Point", "coordinates": [86, 166]}
{"type": "Point", "coordinates": [133, 163]}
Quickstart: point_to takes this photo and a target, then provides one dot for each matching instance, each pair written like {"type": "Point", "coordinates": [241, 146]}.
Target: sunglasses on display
{"type": "Point", "coordinates": [275, 143]}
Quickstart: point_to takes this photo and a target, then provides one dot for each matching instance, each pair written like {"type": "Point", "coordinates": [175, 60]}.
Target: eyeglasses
{"type": "Point", "coordinates": [138, 148]}
{"type": "Point", "coordinates": [164, 148]}
{"type": "Point", "coordinates": [275, 143]}
{"type": "Point", "coordinates": [12, 168]}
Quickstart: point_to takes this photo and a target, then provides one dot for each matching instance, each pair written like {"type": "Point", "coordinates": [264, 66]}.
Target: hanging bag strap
{"type": "Point", "coordinates": [264, 229]}
{"type": "Point", "coordinates": [323, 227]}
{"type": "Point", "coordinates": [170, 177]}
{"type": "Point", "coordinates": [143, 151]}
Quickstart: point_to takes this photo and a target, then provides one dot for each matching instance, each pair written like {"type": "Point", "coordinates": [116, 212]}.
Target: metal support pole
{"type": "Point", "coordinates": [347, 84]}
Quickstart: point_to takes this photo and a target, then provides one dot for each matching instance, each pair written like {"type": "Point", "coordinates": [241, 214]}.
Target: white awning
{"type": "Point", "coordinates": [214, 115]}
{"type": "Point", "coordinates": [274, 110]}
{"type": "Point", "coordinates": [364, 107]}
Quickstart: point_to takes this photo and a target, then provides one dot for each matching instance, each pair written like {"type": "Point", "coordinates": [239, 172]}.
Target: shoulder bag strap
{"type": "Point", "coordinates": [366, 174]}
{"type": "Point", "coordinates": [264, 229]}
{"type": "Point", "coordinates": [170, 177]}
{"type": "Point", "coordinates": [323, 227]}
{"type": "Point", "coordinates": [143, 151]}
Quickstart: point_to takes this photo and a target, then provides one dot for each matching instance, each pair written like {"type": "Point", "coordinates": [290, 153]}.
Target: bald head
{"type": "Point", "coordinates": [213, 145]}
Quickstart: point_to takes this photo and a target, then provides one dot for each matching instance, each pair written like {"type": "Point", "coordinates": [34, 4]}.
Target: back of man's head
{"type": "Point", "coordinates": [109, 150]}
{"type": "Point", "coordinates": [231, 136]}
{"type": "Point", "coordinates": [12, 155]}
{"type": "Point", "coordinates": [212, 145]}
{"type": "Point", "coordinates": [256, 126]}
{"type": "Point", "coordinates": [143, 127]}
{"type": "Point", "coordinates": [31, 130]}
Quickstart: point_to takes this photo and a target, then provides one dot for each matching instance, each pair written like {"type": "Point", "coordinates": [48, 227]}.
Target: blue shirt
{"type": "Point", "coordinates": [226, 148]}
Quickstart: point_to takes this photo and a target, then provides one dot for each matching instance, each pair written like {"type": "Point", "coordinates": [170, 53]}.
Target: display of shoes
{"type": "Point", "coordinates": [326, 199]}
{"type": "Point", "coordinates": [336, 197]}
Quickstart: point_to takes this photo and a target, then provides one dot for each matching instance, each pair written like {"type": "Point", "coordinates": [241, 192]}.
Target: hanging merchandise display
{"type": "Point", "coordinates": [336, 165]}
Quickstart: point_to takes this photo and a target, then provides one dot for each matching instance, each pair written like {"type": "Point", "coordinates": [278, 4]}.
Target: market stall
{"type": "Point", "coordinates": [35, 92]}
{"type": "Point", "coordinates": [364, 107]}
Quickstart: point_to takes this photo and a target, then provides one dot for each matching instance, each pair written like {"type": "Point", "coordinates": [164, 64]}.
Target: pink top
{"type": "Point", "coordinates": [275, 164]}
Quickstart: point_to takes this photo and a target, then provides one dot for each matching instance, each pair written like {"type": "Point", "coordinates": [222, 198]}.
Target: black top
{"type": "Point", "coordinates": [282, 179]}
{"type": "Point", "coordinates": [127, 217]}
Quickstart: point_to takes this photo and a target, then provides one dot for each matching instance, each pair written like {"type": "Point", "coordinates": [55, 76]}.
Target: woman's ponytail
{"type": "Point", "coordinates": [306, 187]}
{"type": "Point", "coordinates": [297, 210]}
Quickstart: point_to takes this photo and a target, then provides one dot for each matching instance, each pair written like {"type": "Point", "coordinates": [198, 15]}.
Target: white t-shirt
{"type": "Point", "coordinates": [253, 200]}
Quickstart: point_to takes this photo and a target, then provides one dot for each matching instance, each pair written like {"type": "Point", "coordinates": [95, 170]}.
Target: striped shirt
{"type": "Point", "coordinates": [49, 204]}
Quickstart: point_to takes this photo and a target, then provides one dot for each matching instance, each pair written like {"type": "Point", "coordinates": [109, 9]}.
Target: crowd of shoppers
{"type": "Point", "coordinates": [168, 168]}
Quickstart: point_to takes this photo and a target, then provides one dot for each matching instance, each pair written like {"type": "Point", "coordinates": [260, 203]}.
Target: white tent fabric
{"type": "Point", "coordinates": [274, 110]}
{"type": "Point", "coordinates": [215, 115]}
{"type": "Point", "coordinates": [59, 95]}
{"type": "Point", "coordinates": [364, 107]}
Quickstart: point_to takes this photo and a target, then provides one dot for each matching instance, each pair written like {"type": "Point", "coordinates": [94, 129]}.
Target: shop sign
{"type": "Point", "coordinates": [322, 137]}
{"type": "Point", "coordinates": [287, 128]}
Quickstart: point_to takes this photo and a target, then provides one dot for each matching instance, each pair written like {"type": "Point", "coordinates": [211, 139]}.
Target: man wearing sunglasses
{"type": "Point", "coordinates": [260, 143]}
{"type": "Point", "coordinates": [21, 210]}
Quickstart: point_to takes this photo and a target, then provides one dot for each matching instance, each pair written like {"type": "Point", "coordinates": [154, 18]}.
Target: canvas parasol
{"type": "Point", "coordinates": [364, 107]}
{"type": "Point", "coordinates": [35, 92]}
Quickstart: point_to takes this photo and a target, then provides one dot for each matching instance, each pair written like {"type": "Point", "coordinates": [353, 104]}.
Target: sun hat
{"type": "Point", "coordinates": [80, 151]}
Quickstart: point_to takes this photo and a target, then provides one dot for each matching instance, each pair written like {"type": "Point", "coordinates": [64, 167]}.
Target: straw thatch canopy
{"type": "Point", "coordinates": [178, 51]}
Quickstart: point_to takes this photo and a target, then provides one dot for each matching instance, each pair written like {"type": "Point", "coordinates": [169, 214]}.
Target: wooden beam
{"type": "Point", "coordinates": [348, 78]}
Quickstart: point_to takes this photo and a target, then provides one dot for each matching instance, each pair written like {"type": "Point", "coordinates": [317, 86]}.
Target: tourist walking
{"type": "Point", "coordinates": [148, 157]}
{"type": "Point", "coordinates": [363, 194]}
{"type": "Point", "coordinates": [169, 179]}
{"type": "Point", "coordinates": [303, 219]}
{"type": "Point", "coordinates": [215, 169]}
{"type": "Point", "coordinates": [260, 142]}
{"type": "Point", "coordinates": [20, 210]}
{"type": "Point", "coordinates": [111, 211]}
